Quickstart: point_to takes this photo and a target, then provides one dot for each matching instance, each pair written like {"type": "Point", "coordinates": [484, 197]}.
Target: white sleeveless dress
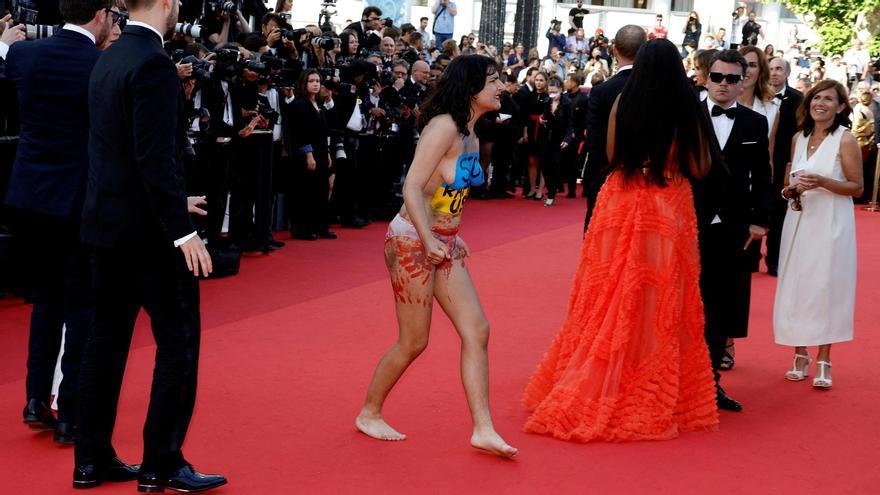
{"type": "Point", "coordinates": [816, 290]}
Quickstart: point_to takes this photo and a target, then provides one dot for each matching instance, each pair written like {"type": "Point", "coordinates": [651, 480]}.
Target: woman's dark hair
{"type": "Point", "coordinates": [344, 39]}
{"type": "Point", "coordinates": [303, 82]}
{"type": "Point", "coordinates": [805, 120]}
{"type": "Point", "coordinates": [659, 86]}
{"type": "Point", "coordinates": [461, 81]}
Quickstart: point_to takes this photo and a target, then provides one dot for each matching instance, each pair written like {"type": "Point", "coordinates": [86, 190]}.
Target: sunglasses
{"type": "Point", "coordinates": [717, 77]}
{"type": "Point", "coordinates": [120, 18]}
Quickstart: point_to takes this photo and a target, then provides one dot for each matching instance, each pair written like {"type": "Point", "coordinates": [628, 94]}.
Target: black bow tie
{"type": "Point", "coordinates": [780, 96]}
{"type": "Point", "coordinates": [730, 112]}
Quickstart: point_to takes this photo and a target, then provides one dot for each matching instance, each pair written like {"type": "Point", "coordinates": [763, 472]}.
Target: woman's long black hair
{"type": "Point", "coordinates": [659, 108]}
{"type": "Point", "coordinates": [461, 81]}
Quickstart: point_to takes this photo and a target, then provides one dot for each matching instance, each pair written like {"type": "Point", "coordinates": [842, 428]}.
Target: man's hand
{"type": "Point", "coordinates": [377, 112]}
{"type": "Point", "coordinates": [184, 70]}
{"type": "Point", "coordinates": [198, 261]}
{"type": "Point", "coordinates": [311, 165]}
{"type": "Point", "coordinates": [13, 34]}
{"type": "Point", "coordinates": [273, 37]}
{"type": "Point", "coordinates": [755, 234]}
{"type": "Point", "coordinates": [193, 203]}
{"type": "Point", "coordinates": [188, 86]}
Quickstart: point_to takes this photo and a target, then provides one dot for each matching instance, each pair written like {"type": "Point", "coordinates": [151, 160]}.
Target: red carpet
{"type": "Point", "coordinates": [289, 345]}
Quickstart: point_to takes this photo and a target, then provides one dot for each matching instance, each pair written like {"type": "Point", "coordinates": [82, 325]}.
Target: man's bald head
{"type": "Point", "coordinates": [421, 71]}
{"type": "Point", "coordinates": [627, 42]}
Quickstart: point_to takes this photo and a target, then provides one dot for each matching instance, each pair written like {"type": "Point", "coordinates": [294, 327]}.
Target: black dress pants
{"type": "Point", "coordinates": [725, 283]}
{"type": "Point", "coordinates": [150, 275]}
{"type": "Point", "coordinates": [778, 208]}
{"type": "Point", "coordinates": [59, 272]}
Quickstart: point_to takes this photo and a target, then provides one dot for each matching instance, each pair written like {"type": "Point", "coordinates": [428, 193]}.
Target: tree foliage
{"type": "Point", "coordinates": [834, 21]}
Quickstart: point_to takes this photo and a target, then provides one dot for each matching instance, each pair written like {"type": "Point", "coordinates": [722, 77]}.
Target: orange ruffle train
{"type": "Point", "coordinates": [630, 362]}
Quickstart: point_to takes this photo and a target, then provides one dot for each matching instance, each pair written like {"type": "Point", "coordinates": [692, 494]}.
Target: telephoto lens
{"type": "Point", "coordinates": [39, 31]}
{"type": "Point", "coordinates": [185, 29]}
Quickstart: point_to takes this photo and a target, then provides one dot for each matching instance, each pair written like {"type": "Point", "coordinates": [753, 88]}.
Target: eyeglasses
{"type": "Point", "coordinates": [717, 77]}
{"type": "Point", "coordinates": [120, 18]}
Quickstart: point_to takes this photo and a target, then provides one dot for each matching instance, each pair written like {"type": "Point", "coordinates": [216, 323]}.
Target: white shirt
{"type": "Point", "coordinates": [80, 30]}
{"type": "Point", "coordinates": [722, 123]}
{"type": "Point", "coordinates": [145, 25]}
{"type": "Point", "coordinates": [4, 49]}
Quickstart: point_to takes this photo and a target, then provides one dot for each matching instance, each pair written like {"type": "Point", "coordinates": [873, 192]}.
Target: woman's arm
{"type": "Point", "coordinates": [436, 140]}
{"type": "Point", "coordinates": [851, 161]}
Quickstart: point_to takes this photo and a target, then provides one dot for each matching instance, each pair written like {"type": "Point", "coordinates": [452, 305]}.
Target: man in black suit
{"type": "Point", "coordinates": [47, 188]}
{"type": "Point", "coordinates": [790, 100]}
{"type": "Point", "coordinates": [146, 254]}
{"type": "Point", "coordinates": [366, 28]}
{"type": "Point", "coordinates": [579, 102]}
{"type": "Point", "coordinates": [626, 44]}
{"type": "Point", "coordinates": [735, 213]}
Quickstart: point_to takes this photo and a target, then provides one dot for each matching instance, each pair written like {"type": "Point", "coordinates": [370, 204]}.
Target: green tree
{"type": "Point", "coordinates": [834, 21]}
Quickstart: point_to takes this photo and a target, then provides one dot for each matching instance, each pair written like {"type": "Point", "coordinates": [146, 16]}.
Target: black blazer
{"type": "Point", "coordinates": [601, 100]}
{"type": "Point", "coordinates": [742, 196]}
{"type": "Point", "coordinates": [580, 107]}
{"type": "Point", "coordinates": [785, 132]}
{"type": "Point", "coordinates": [52, 80]}
{"type": "Point", "coordinates": [369, 41]}
{"type": "Point", "coordinates": [307, 127]}
{"type": "Point", "coordinates": [136, 191]}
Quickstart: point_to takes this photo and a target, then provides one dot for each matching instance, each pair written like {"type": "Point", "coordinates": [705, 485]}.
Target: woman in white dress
{"type": "Point", "coordinates": [816, 291]}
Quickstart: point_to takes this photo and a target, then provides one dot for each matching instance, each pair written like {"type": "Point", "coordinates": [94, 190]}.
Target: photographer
{"type": "Point", "coordinates": [347, 126]}
{"type": "Point", "coordinates": [576, 47]}
{"type": "Point", "coordinates": [47, 188]}
{"type": "Point", "coordinates": [224, 22]}
{"type": "Point", "coordinates": [692, 31]}
{"type": "Point", "coordinates": [752, 31]}
{"type": "Point", "coordinates": [555, 36]}
{"type": "Point", "coordinates": [277, 32]}
{"type": "Point", "coordinates": [370, 24]}
{"type": "Point", "coordinates": [576, 15]}
{"type": "Point", "coordinates": [307, 134]}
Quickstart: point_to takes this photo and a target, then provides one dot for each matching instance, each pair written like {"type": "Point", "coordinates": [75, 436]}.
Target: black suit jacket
{"type": "Point", "coordinates": [785, 131]}
{"type": "Point", "coordinates": [601, 100]}
{"type": "Point", "coordinates": [741, 196]}
{"type": "Point", "coordinates": [580, 107]}
{"type": "Point", "coordinates": [136, 191]}
{"type": "Point", "coordinates": [369, 41]}
{"type": "Point", "coordinates": [52, 80]}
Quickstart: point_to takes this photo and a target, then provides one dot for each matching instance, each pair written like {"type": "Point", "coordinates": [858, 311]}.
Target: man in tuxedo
{"type": "Point", "coordinates": [790, 100]}
{"type": "Point", "coordinates": [735, 213]}
{"type": "Point", "coordinates": [626, 44]}
{"type": "Point", "coordinates": [146, 254]}
{"type": "Point", "coordinates": [366, 28]}
{"type": "Point", "coordinates": [579, 102]}
{"type": "Point", "coordinates": [47, 188]}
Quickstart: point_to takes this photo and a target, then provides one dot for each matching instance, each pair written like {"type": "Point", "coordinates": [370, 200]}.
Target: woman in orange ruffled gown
{"type": "Point", "coordinates": [630, 362]}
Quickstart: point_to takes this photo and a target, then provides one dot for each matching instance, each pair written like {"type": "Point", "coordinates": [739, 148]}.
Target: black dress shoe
{"type": "Point", "coordinates": [327, 235]}
{"type": "Point", "coordinates": [727, 402]}
{"type": "Point", "coordinates": [356, 223]}
{"type": "Point", "coordinates": [64, 433]}
{"type": "Point", "coordinates": [38, 416]}
{"type": "Point", "coordinates": [185, 479]}
{"type": "Point", "coordinates": [773, 271]}
{"type": "Point", "coordinates": [92, 475]}
{"type": "Point", "coordinates": [277, 244]}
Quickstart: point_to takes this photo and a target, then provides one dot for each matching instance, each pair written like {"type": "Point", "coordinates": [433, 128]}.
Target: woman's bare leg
{"type": "Point", "coordinates": [457, 296]}
{"type": "Point", "coordinates": [533, 174]}
{"type": "Point", "coordinates": [412, 278]}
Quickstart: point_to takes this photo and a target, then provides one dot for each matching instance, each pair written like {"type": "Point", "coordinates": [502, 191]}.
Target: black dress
{"type": "Point", "coordinates": [534, 108]}
{"type": "Point", "coordinates": [309, 205]}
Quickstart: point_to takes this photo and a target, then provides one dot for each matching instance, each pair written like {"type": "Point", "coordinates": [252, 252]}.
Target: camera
{"type": "Point", "coordinates": [201, 69]}
{"type": "Point", "coordinates": [293, 34]}
{"type": "Point", "coordinates": [266, 110]}
{"type": "Point", "coordinates": [185, 29]}
{"type": "Point", "coordinates": [27, 15]}
{"type": "Point", "coordinates": [216, 6]}
{"type": "Point", "coordinates": [325, 42]}
{"type": "Point", "coordinates": [227, 55]}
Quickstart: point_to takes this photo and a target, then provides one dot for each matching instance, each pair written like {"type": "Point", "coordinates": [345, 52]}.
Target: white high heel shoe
{"type": "Point", "coordinates": [822, 381]}
{"type": "Point", "coordinates": [798, 373]}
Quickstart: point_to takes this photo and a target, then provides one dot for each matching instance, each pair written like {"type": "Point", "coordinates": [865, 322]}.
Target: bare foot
{"type": "Point", "coordinates": [489, 441]}
{"type": "Point", "coordinates": [376, 427]}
